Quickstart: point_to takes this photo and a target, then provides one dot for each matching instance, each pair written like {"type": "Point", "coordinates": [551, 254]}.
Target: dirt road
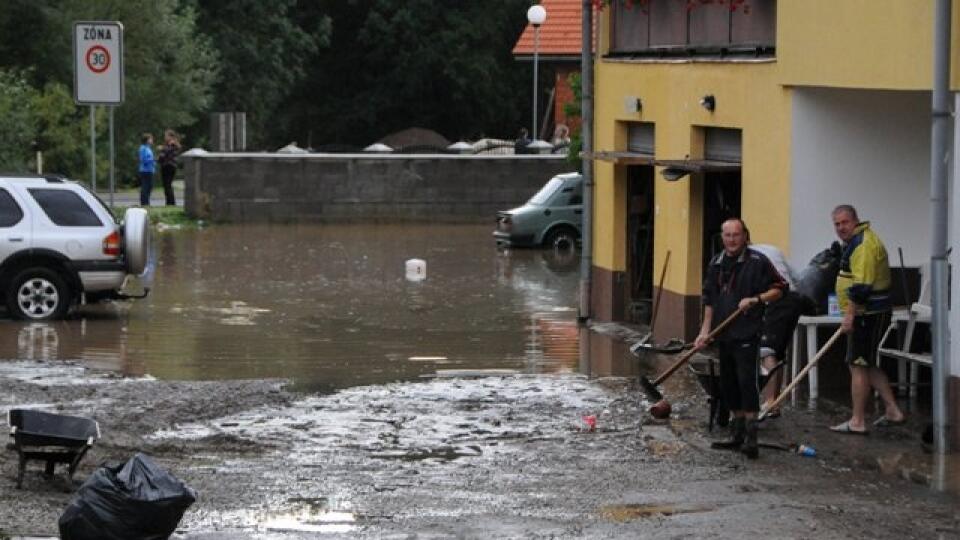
{"type": "Point", "coordinates": [490, 457]}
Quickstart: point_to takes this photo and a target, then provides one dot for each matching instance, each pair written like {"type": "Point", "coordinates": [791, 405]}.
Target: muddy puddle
{"type": "Point", "coordinates": [326, 306]}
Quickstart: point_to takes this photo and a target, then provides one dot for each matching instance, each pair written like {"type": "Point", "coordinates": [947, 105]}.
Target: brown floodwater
{"type": "Point", "coordinates": [327, 306]}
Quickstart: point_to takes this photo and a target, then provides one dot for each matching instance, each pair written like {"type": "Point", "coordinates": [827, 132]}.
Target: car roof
{"type": "Point", "coordinates": [34, 178]}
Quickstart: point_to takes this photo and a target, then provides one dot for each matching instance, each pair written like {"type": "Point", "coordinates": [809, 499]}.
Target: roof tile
{"type": "Point", "coordinates": [559, 34]}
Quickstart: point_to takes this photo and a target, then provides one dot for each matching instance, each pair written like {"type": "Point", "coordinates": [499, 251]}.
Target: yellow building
{"type": "Point", "coordinates": [774, 111]}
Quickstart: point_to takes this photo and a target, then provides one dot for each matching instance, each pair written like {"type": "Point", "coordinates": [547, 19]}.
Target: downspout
{"type": "Point", "coordinates": [939, 158]}
{"type": "Point", "coordinates": [586, 134]}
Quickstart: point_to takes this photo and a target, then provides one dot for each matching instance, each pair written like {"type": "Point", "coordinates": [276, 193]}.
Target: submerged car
{"type": "Point", "coordinates": [552, 218]}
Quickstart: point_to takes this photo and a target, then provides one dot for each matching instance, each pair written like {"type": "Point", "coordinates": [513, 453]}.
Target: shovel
{"type": "Point", "coordinates": [650, 388]}
{"type": "Point", "coordinates": [803, 373]}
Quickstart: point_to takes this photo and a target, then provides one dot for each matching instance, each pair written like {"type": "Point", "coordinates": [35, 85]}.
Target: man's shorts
{"type": "Point", "coordinates": [863, 341]}
{"type": "Point", "coordinates": [779, 321]}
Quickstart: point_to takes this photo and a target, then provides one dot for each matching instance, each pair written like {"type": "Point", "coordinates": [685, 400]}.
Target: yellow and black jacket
{"type": "Point", "coordinates": [864, 274]}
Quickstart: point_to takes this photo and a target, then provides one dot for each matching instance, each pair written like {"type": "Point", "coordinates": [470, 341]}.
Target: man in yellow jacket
{"type": "Point", "coordinates": [863, 291]}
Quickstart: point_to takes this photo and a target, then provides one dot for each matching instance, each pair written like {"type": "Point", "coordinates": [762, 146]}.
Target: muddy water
{"type": "Point", "coordinates": [327, 306]}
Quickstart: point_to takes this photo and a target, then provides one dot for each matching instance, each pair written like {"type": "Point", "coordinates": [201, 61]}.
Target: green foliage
{"type": "Point", "coordinates": [324, 71]}
{"type": "Point", "coordinates": [395, 64]}
{"type": "Point", "coordinates": [170, 70]}
{"type": "Point", "coordinates": [267, 46]}
{"type": "Point", "coordinates": [18, 124]}
{"type": "Point", "coordinates": [162, 215]}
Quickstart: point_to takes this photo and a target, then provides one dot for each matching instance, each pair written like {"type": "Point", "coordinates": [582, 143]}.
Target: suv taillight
{"type": "Point", "coordinates": [111, 244]}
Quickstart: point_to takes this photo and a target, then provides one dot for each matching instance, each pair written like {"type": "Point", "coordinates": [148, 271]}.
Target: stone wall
{"type": "Point", "coordinates": [277, 188]}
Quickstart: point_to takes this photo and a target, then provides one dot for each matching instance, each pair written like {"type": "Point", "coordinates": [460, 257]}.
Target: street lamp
{"type": "Point", "coordinates": [536, 15]}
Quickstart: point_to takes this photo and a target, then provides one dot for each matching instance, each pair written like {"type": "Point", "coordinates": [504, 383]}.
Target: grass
{"type": "Point", "coordinates": [167, 215]}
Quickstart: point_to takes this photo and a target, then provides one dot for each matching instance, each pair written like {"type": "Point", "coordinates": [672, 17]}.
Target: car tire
{"type": "Point", "coordinates": [136, 239]}
{"type": "Point", "coordinates": [38, 294]}
{"type": "Point", "coordinates": [562, 238]}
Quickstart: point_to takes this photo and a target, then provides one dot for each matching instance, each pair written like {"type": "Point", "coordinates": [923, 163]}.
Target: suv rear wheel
{"type": "Point", "coordinates": [38, 294]}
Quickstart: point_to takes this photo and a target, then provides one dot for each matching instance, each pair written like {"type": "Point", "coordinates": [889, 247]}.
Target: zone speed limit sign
{"type": "Point", "coordinates": [98, 63]}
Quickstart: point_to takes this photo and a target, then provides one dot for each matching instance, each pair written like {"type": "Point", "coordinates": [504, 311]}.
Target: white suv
{"type": "Point", "coordinates": [59, 243]}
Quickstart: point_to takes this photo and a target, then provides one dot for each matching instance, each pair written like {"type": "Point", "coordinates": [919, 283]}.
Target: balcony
{"type": "Point", "coordinates": [693, 28]}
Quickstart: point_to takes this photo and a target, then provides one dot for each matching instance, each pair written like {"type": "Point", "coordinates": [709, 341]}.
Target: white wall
{"type": "Point", "coordinates": [867, 148]}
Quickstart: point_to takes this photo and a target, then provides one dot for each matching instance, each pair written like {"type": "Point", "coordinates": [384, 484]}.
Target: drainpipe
{"type": "Point", "coordinates": [586, 133]}
{"type": "Point", "coordinates": [939, 158]}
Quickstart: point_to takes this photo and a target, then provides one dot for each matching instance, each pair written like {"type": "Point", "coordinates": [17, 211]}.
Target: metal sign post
{"type": "Point", "coordinates": [98, 78]}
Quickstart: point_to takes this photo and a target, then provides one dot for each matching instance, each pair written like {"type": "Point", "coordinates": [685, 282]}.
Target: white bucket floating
{"type": "Point", "coordinates": [416, 270]}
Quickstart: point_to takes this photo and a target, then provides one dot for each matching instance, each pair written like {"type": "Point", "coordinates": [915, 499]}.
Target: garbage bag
{"type": "Point", "coordinates": [136, 500]}
{"type": "Point", "coordinates": [817, 281]}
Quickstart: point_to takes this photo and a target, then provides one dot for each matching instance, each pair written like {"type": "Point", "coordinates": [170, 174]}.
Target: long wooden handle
{"type": "Point", "coordinates": [803, 373]}
{"type": "Point", "coordinates": [713, 334]}
{"type": "Point", "coordinates": [656, 304]}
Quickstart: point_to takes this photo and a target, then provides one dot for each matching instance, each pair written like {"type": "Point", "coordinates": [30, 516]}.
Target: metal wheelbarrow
{"type": "Point", "coordinates": [707, 370]}
{"type": "Point", "coordinates": [54, 438]}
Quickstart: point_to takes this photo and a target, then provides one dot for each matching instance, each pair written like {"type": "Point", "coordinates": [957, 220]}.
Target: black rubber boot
{"type": "Point", "coordinates": [739, 434]}
{"type": "Point", "coordinates": [750, 448]}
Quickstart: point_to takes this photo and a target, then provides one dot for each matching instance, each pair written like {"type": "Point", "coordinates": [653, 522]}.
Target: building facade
{"type": "Point", "coordinates": [773, 111]}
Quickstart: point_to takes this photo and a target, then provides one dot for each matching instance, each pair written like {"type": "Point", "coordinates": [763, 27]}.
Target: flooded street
{"type": "Point", "coordinates": [327, 307]}
{"type": "Point", "coordinates": [306, 389]}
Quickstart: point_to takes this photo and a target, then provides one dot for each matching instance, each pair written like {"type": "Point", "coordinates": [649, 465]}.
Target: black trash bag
{"type": "Point", "coordinates": [817, 281]}
{"type": "Point", "coordinates": [136, 500]}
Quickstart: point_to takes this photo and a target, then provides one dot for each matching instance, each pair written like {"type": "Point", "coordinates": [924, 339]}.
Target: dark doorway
{"type": "Point", "coordinates": [721, 201]}
{"type": "Point", "coordinates": [639, 271]}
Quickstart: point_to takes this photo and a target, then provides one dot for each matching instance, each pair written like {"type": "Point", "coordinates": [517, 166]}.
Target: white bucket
{"type": "Point", "coordinates": [416, 270]}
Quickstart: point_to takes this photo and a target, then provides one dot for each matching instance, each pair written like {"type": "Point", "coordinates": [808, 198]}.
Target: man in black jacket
{"type": "Point", "coordinates": [739, 278]}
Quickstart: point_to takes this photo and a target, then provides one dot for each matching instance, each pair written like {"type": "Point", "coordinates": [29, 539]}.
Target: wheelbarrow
{"type": "Point", "coordinates": [707, 370]}
{"type": "Point", "coordinates": [54, 438]}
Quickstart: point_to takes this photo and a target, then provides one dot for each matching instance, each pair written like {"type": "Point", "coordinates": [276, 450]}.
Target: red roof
{"type": "Point", "coordinates": [559, 34]}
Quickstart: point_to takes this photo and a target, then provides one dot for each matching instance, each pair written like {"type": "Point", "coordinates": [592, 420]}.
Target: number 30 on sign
{"type": "Point", "coordinates": [98, 62]}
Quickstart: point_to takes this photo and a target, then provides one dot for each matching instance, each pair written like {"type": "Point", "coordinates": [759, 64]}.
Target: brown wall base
{"type": "Point", "coordinates": [679, 317]}
{"type": "Point", "coordinates": [606, 295]}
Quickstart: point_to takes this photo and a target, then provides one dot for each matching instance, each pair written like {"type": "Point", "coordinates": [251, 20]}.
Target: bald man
{"type": "Point", "coordinates": [739, 278]}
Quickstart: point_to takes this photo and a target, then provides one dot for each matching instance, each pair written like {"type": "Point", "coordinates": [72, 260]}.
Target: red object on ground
{"type": "Point", "coordinates": [590, 422]}
{"type": "Point", "coordinates": [661, 409]}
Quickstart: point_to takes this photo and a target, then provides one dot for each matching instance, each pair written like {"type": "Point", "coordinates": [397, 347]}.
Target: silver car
{"type": "Point", "coordinates": [553, 217]}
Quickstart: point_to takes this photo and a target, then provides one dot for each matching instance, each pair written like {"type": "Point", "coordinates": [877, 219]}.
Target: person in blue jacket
{"type": "Point", "coordinates": [147, 168]}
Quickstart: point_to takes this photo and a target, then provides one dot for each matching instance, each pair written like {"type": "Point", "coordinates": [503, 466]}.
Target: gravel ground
{"type": "Point", "coordinates": [489, 457]}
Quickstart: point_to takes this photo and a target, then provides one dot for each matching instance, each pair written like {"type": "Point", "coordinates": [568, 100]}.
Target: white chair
{"type": "Point", "coordinates": [919, 312]}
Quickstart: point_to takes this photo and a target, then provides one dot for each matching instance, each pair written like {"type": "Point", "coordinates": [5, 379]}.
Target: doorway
{"type": "Point", "coordinates": [721, 201]}
{"type": "Point", "coordinates": [640, 219]}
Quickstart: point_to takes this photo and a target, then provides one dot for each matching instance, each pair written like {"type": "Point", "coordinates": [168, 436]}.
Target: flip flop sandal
{"type": "Point", "coordinates": [847, 430]}
{"type": "Point", "coordinates": [883, 422]}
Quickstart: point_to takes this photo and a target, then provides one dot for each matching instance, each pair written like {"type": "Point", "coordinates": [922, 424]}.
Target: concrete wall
{"type": "Point", "coordinates": [868, 148]}
{"type": "Point", "coordinates": [244, 188]}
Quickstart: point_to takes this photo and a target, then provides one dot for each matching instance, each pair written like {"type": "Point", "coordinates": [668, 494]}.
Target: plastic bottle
{"type": "Point", "coordinates": [806, 451]}
{"type": "Point", "coordinates": [833, 306]}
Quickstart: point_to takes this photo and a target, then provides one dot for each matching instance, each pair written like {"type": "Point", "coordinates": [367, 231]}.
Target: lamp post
{"type": "Point", "coordinates": [536, 15]}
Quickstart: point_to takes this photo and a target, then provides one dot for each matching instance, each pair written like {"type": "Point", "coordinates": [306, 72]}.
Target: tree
{"type": "Point", "coordinates": [18, 125]}
{"type": "Point", "coordinates": [266, 47]}
{"type": "Point", "coordinates": [170, 68]}
{"type": "Point", "coordinates": [392, 64]}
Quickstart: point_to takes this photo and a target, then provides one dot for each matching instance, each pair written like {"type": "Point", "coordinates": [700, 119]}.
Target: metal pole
{"type": "Point", "coordinates": [112, 182]}
{"type": "Point", "coordinates": [939, 157]}
{"type": "Point", "coordinates": [536, 48]}
{"type": "Point", "coordinates": [586, 134]}
{"type": "Point", "coordinates": [93, 148]}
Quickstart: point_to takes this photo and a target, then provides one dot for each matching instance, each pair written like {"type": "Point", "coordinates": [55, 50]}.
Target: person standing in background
{"type": "Point", "coordinates": [168, 164]}
{"type": "Point", "coordinates": [146, 169]}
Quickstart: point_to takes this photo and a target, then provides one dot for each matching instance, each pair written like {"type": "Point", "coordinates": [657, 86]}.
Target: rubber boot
{"type": "Point", "coordinates": [750, 448]}
{"type": "Point", "coordinates": [739, 434]}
